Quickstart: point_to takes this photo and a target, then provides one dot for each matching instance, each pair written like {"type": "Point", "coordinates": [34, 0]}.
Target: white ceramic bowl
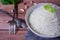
{"type": "Point", "coordinates": [30, 10]}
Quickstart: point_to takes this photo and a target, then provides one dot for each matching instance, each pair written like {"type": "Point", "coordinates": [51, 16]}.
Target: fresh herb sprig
{"type": "Point", "coordinates": [49, 8]}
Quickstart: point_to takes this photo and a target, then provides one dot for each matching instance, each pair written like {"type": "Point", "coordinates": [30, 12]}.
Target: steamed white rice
{"type": "Point", "coordinates": [45, 22]}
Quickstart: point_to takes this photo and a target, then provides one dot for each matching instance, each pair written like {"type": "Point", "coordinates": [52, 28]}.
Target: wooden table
{"type": "Point", "coordinates": [4, 19]}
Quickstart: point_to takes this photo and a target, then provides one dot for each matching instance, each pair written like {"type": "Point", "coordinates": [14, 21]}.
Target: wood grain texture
{"type": "Point", "coordinates": [4, 35]}
{"type": "Point", "coordinates": [4, 18]}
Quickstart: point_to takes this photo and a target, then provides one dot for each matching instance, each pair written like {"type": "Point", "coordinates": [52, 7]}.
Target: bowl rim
{"type": "Point", "coordinates": [27, 16]}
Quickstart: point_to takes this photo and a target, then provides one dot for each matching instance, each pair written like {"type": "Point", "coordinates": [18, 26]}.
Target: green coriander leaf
{"type": "Point", "coordinates": [52, 10]}
{"type": "Point", "coordinates": [47, 6]}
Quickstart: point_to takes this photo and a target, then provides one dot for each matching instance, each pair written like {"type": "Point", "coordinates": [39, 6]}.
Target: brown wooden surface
{"type": "Point", "coordinates": [4, 35]}
{"type": "Point", "coordinates": [4, 18]}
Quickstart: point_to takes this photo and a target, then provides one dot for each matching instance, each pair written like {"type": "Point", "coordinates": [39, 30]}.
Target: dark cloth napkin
{"type": "Point", "coordinates": [31, 36]}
